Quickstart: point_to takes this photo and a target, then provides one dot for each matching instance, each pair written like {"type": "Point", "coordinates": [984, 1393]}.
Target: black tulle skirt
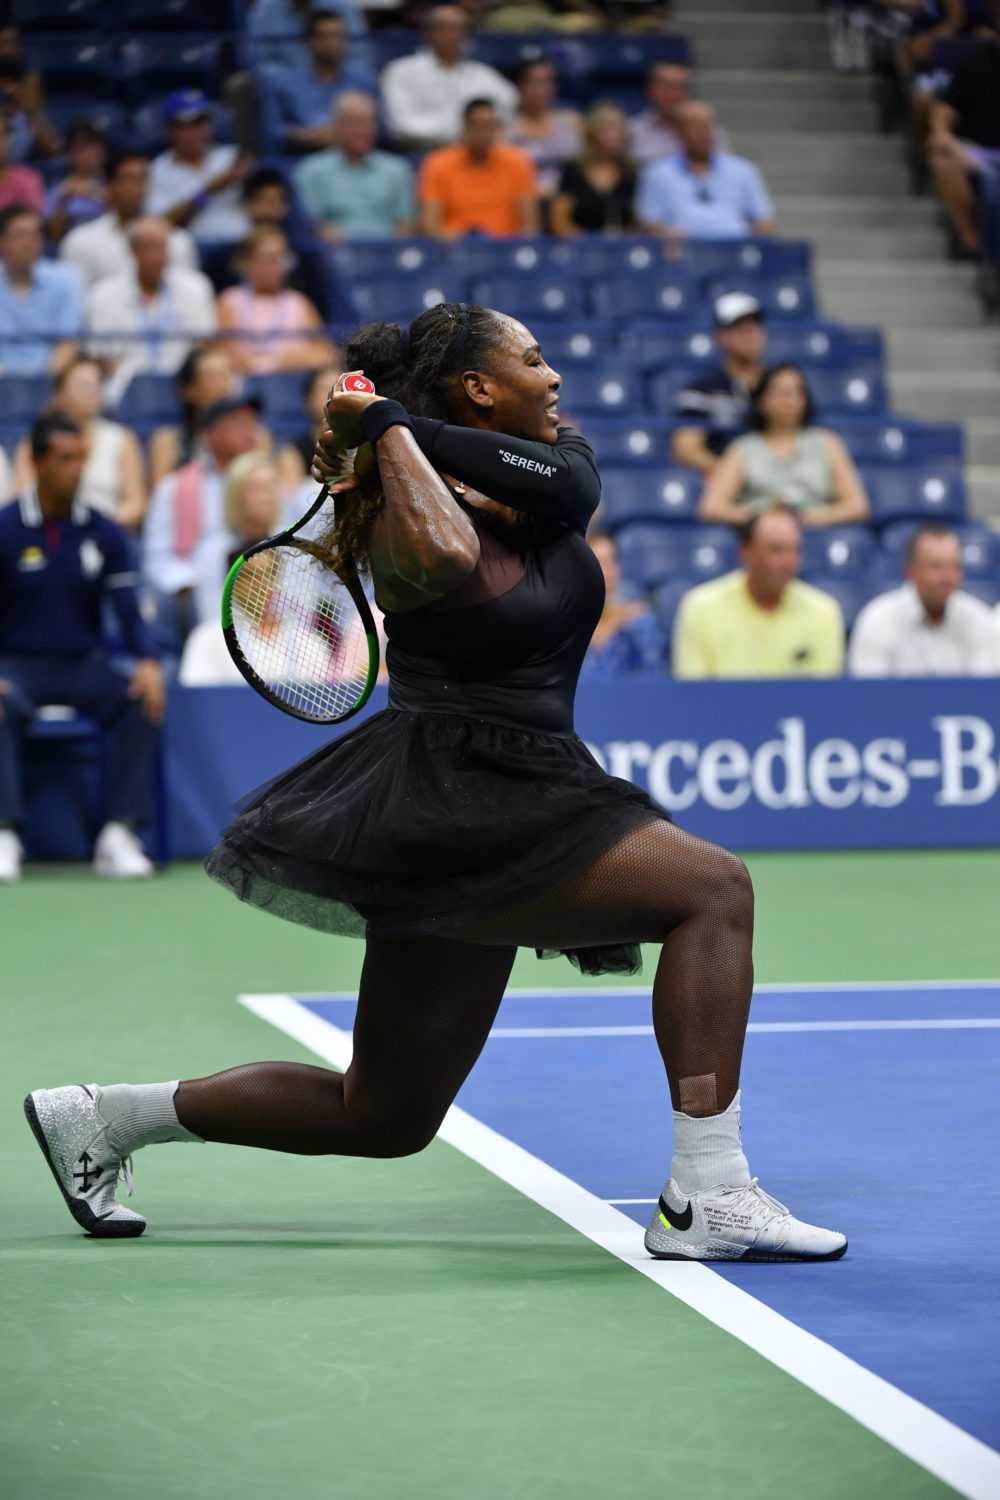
{"type": "Point", "coordinates": [420, 823]}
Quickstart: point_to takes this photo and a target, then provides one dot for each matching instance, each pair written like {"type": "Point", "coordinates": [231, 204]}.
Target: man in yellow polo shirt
{"type": "Point", "coordinates": [482, 184]}
{"type": "Point", "coordinates": [762, 620]}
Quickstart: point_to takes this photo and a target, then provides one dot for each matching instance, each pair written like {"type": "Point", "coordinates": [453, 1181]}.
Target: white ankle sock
{"type": "Point", "coordinates": [141, 1114]}
{"type": "Point", "coordinates": [708, 1152]}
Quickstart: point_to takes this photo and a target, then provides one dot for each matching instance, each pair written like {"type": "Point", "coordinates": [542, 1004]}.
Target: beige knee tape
{"type": "Point", "coordinates": [697, 1095]}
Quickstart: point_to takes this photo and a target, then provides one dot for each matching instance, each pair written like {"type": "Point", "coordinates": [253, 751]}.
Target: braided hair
{"type": "Point", "coordinates": [421, 367]}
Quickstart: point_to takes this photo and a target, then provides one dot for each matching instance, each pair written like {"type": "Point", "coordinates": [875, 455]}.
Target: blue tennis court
{"type": "Point", "coordinates": [863, 1109]}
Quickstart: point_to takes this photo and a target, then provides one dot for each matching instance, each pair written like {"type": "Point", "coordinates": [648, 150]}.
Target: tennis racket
{"type": "Point", "coordinates": [302, 636]}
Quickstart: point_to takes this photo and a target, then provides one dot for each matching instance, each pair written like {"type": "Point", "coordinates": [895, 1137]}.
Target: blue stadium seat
{"type": "Point", "coordinates": [839, 551]}
{"type": "Point", "coordinates": [651, 554]}
{"type": "Point", "coordinates": [653, 344]}
{"type": "Point", "coordinates": [980, 548]}
{"type": "Point", "coordinates": [391, 43]}
{"type": "Point", "coordinates": [933, 493]}
{"type": "Point", "coordinates": [74, 64]}
{"type": "Point", "coordinates": [21, 399]}
{"type": "Point", "coordinates": [605, 61]}
{"type": "Point", "coordinates": [281, 396]}
{"type": "Point", "coordinates": [602, 390]}
{"type": "Point", "coordinates": [666, 602]}
{"type": "Point", "coordinates": [52, 15]}
{"type": "Point", "coordinates": [826, 344]}
{"type": "Point", "coordinates": [531, 298]}
{"type": "Point", "coordinates": [604, 255]}
{"type": "Point", "coordinates": [152, 64]}
{"type": "Point", "coordinates": [398, 300]}
{"type": "Point", "coordinates": [756, 259]}
{"type": "Point", "coordinates": [623, 440]}
{"type": "Point", "coordinates": [663, 387]}
{"type": "Point", "coordinates": [174, 15]}
{"type": "Point", "coordinates": [650, 493]}
{"type": "Point", "coordinates": [149, 401]}
{"type": "Point", "coordinates": [109, 115]}
{"type": "Point", "coordinates": [659, 293]}
{"type": "Point", "coordinates": [569, 349]}
{"type": "Point", "coordinates": [535, 256]}
{"type": "Point", "coordinates": [846, 392]}
{"type": "Point", "coordinates": [900, 440]}
{"type": "Point", "coordinates": [387, 258]}
{"type": "Point", "coordinates": [787, 295]}
{"type": "Point", "coordinates": [507, 50]}
{"type": "Point", "coordinates": [986, 589]}
{"type": "Point", "coordinates": [852, 594]}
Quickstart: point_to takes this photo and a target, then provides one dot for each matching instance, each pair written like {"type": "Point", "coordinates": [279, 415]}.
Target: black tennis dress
{"type": "Point", "coordinates": [470, 793]}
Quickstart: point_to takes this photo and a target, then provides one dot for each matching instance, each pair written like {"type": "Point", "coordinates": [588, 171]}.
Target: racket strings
{"type": "Point", "coordinates": [300, 632]}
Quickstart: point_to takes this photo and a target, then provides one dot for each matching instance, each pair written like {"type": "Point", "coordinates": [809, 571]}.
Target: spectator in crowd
{"type": "Point", "coordinates": [102, 248]}
{"type": "Point", "coordinates": [702, 192]}
{"type": "Point", "coordinates": [597, 191]}
{"type": "Point", "coordinates": [280, 329]}
{"type": "Point", "coordinates": [785, 460]}
{"type": "Point", "coordinates": [145, 321]}
{"type": "Point", "coordinates": [551, 136]}
{"type": "Point", "coordinates": [424, 96]}
{"type": "Point", "coordinates": [295, 458]}
{"type": "Point", "coordinates": [761, 620]}
{"type": "Point", "coordinates": [276, 28]}
{"type": "Point", "coordinates": [266, 199]}
{"type": "Point", "coordinates": [60, 561]}
{"type": "Point", "coordinates": [18, 184]}
{"type": "Point", "coordinates": [304, 96]}
{"type": "Point", "coordinates": [41, 303]}
{"type": "Point", "coordinates": [252, 510]}
{"type": "Point", "coordinates": [205, 378]}
{"type": "Point", "coordinates": [627, 637]}
{"type": "Point", "coordinates": [541, 15]}
{"type": "Point", "coordinates": [354, 191]}
{"type": "Point", "coordinates": [481, 185]}
{"type": "Point", "coordinates": [196, 183]}
{"type": "Point", "coordinates": [715, 406]}
{"type": "Point", "coordinates": [112, 481]}
{"type": "Point", "coordinates": [654, 129]}
{"type": "Point", "coordinates": [22, 103]}
{"type": "Point", "coordinates": [79, 197]}
{"type": "Point", "coordinates": [964, 138]}
{"type": "Point", "coordinates": [930, 627]}
{"type": "Point", "coordinates": [185, 539]}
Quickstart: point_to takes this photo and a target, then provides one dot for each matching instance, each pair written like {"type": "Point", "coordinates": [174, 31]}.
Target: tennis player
{"type": "Point", "coordinates": [467, 819]}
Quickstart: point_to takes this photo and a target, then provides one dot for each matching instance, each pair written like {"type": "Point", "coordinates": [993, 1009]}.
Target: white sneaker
{"type": "Point", "coordinates": [119, 854]}
{"type": "Point", "coordinates": [742, 1223]}
{"type": "Point", "coordinates": [73, 1136]}
{"type": "Point", "coordinates": [10, 855]}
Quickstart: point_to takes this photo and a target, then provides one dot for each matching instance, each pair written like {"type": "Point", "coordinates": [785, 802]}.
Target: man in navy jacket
{"type": "Point", "coordinates": [59, 562]}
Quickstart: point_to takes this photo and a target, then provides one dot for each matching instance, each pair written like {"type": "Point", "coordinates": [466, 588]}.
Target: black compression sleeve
{"type": "Point", "coordinates": [543, 479]}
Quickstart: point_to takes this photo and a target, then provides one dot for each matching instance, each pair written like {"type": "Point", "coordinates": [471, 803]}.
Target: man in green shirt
{"type": "Point", "coordinates": [762, 620]}
{"type": "Point", "coordinates": [353, 191]}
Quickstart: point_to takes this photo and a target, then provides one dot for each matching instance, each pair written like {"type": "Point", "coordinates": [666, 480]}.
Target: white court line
{"type": "Point", "coordinates": [524, 1032]}
{"type": "Point", "coordinates": [628, 991]}
{"type": "Point", "coordinates": [943, 1449]}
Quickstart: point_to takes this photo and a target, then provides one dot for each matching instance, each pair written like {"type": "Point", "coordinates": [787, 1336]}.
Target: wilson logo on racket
{"type": "Point", "coordinates": [359, 383]}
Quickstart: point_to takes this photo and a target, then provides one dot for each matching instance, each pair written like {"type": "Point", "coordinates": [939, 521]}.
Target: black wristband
{"type": "Point", "coordinates": [377, 418]}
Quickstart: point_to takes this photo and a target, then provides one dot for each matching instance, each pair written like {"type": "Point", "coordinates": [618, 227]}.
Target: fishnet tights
{"type": "Point", "coordinates": [426, 1005]}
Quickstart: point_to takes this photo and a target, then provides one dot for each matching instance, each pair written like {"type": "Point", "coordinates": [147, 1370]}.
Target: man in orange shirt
{"type": "Point", "coordinates": [481, 184]}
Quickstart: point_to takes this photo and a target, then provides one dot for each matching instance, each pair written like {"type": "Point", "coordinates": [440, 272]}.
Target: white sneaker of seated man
{"type": "Point", "coordinates": [119, 854]}
{"type": "Point", "coordinates": [712, 1209]}
{"type": "Point", "coordinates": [10, 856]}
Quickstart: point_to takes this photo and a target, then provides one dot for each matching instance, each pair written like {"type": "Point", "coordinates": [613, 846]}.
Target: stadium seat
{"type": "Point", "coordinates": [757, 259]}
{"type": "Point", "coordinates": [550, 295]}
{"type": "Point", "coordinates": [108, 115]}
{"type": "Point", "coordinates": [477, 258]}
{"type": "Point", "coordinates": [21, 399]}
{"type": "Point", "coordinates": [507, 50]}
{"type": "Point", "coordinates": [653, 344]}
{"type": "Point", "coordinates": [52, 15]}
{"type": "Point", "coordinates": [594, 65]}
{"type": "Point", "coordinates": [651, 493]}
{"type": "Point", "coordinates": [74, 64]}
{"type": "Point", "coordinates": [398, 300]}
{"type": "Point", "coordinates": [149, 401]}
{"type": "Point", "coordinates": [826, 344]}
{"type": "Point", "coordinates": [175, 15]}
{"type": "Point", "coordinates": [602, 390]}
{"type": "Point", "coordinates": [852, 594]}
{"type": "Point", "coordinates": [786, 295]}
{"type": "Point", "coordinates": [900, 440]}
{"type": "Point", "coordinates": [980, 548]}
{"type": "Point", "coordinates": [565, 349]}
{"type": "Point", "coordinates": [651, 553]}
{"type": "Point", "coordinates": [659, 293]}
{"type": "Point", "coordinates": [280, 395]}
{"type": "Point", "coordinates": [666, 602]}
{"type": "Point", "coordinates": [986, 589]}
{"type": "Point", "coordinates": [935, 493]}
{"type": "Point", "coordinates": [152, 64]}
{"type": "Point", "coordinates": [389, 258]}
{"type": "Point", "coordinates": [839, 551]}
{"type": "Point", "coordinates": [846, 392]}
{"type": "Point", "coordinates": [623, 440]}
{"type": "Point", "coordinates": [610, 255]}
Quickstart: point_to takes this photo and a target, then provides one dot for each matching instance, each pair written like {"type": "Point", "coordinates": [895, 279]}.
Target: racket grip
{"type": "Point", "coordinates": [359, 383]}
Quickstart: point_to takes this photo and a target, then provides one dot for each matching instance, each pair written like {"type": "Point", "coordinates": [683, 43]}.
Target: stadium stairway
{"type": "Point", "coordinates": [765, 66]}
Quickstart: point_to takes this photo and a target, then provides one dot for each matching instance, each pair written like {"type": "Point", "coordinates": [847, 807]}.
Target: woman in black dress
{"type": "Point", "coordinates": [466, 819]}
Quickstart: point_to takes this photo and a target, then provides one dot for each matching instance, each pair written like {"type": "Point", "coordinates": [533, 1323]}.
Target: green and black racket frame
{"type": "Point", "coordinates": [301, 634]}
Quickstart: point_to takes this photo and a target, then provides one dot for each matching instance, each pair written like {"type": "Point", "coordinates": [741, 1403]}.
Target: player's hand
{"type": "Point", "coordinates": [147, 684]}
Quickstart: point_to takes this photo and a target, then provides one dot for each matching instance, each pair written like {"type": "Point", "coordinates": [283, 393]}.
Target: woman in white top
{"type": "Point", "coordinates": [113, 477]}
{"type": "Point", "coordinates": [785, 460]}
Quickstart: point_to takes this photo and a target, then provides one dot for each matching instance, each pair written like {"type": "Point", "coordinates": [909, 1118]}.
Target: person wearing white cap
{"type": "Point", "coordinates": [714, 407]}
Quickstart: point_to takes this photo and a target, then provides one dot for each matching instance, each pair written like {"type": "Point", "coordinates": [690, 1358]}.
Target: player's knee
{"type": "Point", "coordinates": [404, 1134]}
{"type": "Point", "coordinates": [726, 887]}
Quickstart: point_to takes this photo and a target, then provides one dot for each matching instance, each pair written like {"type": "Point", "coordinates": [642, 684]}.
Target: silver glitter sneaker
{"type": "Point", "coordinates": [743, 1223]}
{"type": "Point", "coordinates": [68, 1126]}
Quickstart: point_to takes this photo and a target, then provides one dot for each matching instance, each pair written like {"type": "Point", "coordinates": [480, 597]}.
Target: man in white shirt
{"type": "Point", "coordinates": [185, 540]}
{"type": "Point", "coordinates": [929, 627]}
{"type": "Point", "coordinates": [160, 309]}
{"type": "Point", "coordinates": [101, 248]}
{"type": "Point", "coordinates": [424, 96]}
{"type": "Point", "coordinates": [195, 183]}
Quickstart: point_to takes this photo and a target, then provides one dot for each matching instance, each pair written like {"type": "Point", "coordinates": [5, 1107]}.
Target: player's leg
{"type": "Point", "coordinates": [662, 885]}
{"type": "Point", "coordinates": [425, 1008]}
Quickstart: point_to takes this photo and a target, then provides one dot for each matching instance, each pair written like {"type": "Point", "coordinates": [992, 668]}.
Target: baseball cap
{"type": "Point", "coordinates": [731, 307]}
{"type": "Point", "coordinates": [229, 404]}
{"type": "Point", "coordinates": [186, 104]}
